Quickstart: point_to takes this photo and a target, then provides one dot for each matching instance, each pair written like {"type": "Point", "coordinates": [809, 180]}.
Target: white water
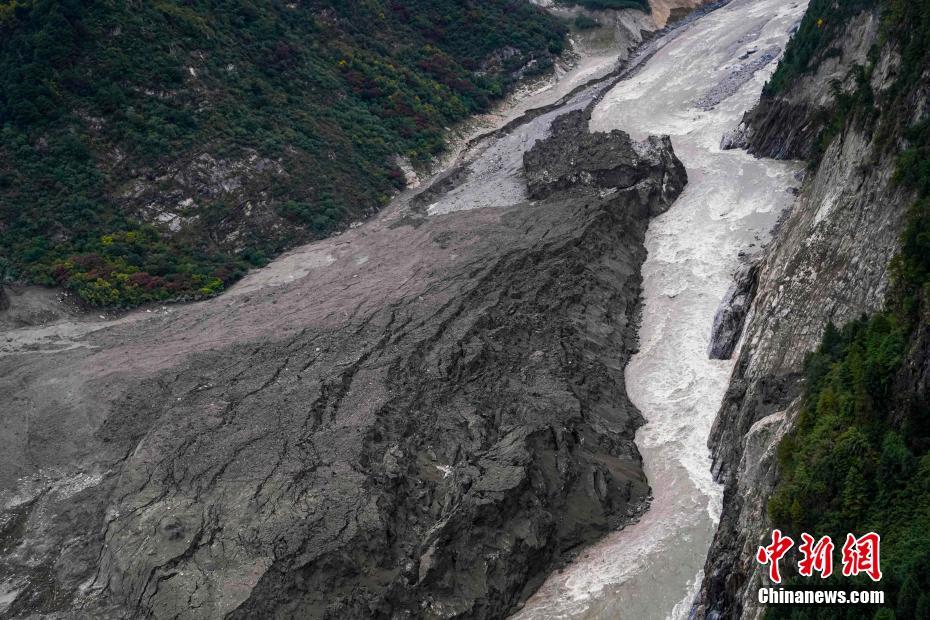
{"type": "Point", "coordinates": [652, 569]}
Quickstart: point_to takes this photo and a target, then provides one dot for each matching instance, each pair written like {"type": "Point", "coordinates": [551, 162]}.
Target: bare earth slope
{"type": "Point", "coordinates": [419, 417]}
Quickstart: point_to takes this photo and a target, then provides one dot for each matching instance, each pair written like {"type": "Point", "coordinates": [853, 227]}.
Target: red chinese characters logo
{"type": "Point", "coordinates": [860, 555]}
{"type": "Point", "coordinates": [773, 553]}
{"type": "Point", "coordinates": [816, 557]}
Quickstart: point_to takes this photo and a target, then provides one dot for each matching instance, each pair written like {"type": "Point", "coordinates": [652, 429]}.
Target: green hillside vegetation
{"type": "Point", "coordinates": [94, 93]}
{"type": "Point", "coordinates": [858, 459]}
{"type": "Point", "coordinates": [583, 22]}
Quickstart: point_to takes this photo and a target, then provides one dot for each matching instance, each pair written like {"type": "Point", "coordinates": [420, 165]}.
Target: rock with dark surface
{"type": "Point", "coordinates": [734, 139]}
{"type": "Point", "coordinates": [730, 317]}
{"type": "Point", "coordinates": [402, 421]}
{"type": "Point", "coordinates": [572, 157]}
{"type": "Point", "coordinates": [779, 130]}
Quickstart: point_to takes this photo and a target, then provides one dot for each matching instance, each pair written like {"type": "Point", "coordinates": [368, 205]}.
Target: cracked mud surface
{"type": "Point", "coordinates": [418, 418]}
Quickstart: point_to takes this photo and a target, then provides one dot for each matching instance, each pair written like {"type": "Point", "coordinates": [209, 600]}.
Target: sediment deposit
{"type": "Point", "coordinates": [419, 417]}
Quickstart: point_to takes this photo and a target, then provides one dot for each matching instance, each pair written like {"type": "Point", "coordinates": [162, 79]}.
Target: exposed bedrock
{"type": "Point", "coordinates": [731, 316]}
{"type": "Point", "coordinates": [788, 126]}
{"type": "Point", "coordinates": [401, 421]}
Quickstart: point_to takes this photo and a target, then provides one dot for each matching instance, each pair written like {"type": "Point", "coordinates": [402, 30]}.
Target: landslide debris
{"type": "Point", "coordinates": [574, 157]}
{"type": "Point", "coordinates": [417, 421]}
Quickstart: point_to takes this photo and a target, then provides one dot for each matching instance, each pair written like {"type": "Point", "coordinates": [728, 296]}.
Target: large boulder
{"type": "Point", "coordinates": [572, 157]}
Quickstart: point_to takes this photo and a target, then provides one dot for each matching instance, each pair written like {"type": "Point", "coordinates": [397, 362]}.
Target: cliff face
{"type": "Point", "coordinates": [420, 417]}
{"type": "Point", "coordinates": [665, 11]}
{"type": "Point", "coordinates": [787, 126]}
{"type": "Point", "coordinates": [829, 262]}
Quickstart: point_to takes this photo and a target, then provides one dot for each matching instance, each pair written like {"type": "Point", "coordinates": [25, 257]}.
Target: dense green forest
{"type": "Point", "coordinates": [101, 97]}
{"type": "Point", "coordinates": [858, 459]}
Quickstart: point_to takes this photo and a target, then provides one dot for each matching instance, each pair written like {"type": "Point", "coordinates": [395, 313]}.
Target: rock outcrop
{"type": "Point", "coordinates": [829, 262]}
{"type": "Point", "coordinates": [417, 418]}
{"type": "Point", "coordinates": [572, 157]}
{"type": "Point", "coordinates": [667, 11]}
{"type": "Point", "coordinates": [731, 316]}
{"type": "Point", "coordinates": [788, 126]}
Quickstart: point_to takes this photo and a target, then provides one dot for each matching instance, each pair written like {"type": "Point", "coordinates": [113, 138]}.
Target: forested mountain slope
{"type": "Point", "coordinates": [155, 150]}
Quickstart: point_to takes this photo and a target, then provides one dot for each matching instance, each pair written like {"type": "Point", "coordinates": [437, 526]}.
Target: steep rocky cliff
{"type": "Point", "coordinates": [828, 263]}
{"type": "Point", "coordinates": [419, 417]}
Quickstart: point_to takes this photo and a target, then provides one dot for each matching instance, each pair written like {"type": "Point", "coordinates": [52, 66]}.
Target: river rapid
{"type": "Point", "coordinates": [695, 88]}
